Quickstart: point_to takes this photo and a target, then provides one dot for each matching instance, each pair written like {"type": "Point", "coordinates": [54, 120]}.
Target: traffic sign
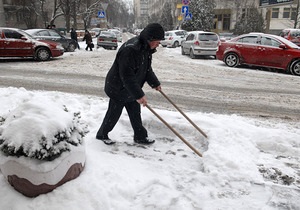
{"type": "Point", "coordinates": [101, 14]}
{"type": "Point", "coordinates": [185, 2]}
{"type": "Point", "coordinates": [185, 9]}
{"type": "Point", "coordinates": [188, 16]}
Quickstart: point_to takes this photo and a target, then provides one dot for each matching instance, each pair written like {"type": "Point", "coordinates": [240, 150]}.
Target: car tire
{"type": "Point", "coordinates": [295, 68]}
{"type": "Point", "coordinates": [42, 54]}
{"type": "Point", "coordinates": [231, 60]}
{"type": "Point", "coordinates": [71, 47]}
{"type": "Point", "coordinates": [192, 55]}
{"type": "Point", "coordinates": [182, 51]}
{"type": "Point", "coordinates": [176, 44]}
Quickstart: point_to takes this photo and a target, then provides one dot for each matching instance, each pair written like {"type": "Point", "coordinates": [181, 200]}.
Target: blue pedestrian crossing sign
{"type": "Point", "coordinates": [188, 16]}
{"type": "Point", "coordinates": [185, 9]}
{"type": "Point", "coordinates": [101, 14]}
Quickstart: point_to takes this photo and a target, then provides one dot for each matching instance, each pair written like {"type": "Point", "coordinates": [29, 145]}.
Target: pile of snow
{"type": "Point", "coordinates": [247, 163]}
{"type": "Point", "coordinates": [40, 128]}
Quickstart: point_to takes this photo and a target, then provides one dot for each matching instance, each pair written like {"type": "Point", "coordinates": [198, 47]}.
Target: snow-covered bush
{"type": "Point", "coordinates": [40, 129]}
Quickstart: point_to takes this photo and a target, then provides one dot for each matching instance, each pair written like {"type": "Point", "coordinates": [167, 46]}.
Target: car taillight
{"type": "Point", "coordinates": [197, 43]}
{"type": "Point", "coordinates": [114, 40]}
{"type": "Point", "coordinates": [170, 38]}
{"type": "Point", "coordinates": [101, 40]}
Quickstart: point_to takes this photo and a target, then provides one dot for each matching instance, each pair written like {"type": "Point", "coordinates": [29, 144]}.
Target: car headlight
{"type": "Point", "coordinates": [59, 47]}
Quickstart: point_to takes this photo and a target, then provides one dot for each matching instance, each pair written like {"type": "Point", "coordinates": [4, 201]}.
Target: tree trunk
{"type": "Point", "coordinates": [2, 17]}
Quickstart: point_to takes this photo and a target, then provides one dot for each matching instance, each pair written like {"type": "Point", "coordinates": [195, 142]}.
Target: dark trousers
{"type": "Point", "coordinates": [89, 46]}
{"type": "Point", "coordinates": [113, 114]}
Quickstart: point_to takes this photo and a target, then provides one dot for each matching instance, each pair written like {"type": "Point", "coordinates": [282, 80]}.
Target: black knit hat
{"type": "Point", "coordinates": [153, 31]}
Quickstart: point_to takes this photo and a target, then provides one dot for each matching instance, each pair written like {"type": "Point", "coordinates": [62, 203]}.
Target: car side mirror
{"type": "Point", "coordinates": [282, 46]}
{"type": "Point", "coordinates": [223, 39]}
{"type": "Point", "coordinates": [23, 38]}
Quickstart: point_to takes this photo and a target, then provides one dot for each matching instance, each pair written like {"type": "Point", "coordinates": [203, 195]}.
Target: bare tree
{"type": "Point", "coordinates": [88, 9]}
{"type": "Point", "coordinates": [56, 11]}
{"type": "Point", "coordinates": [249, 19]}
{"type": "Point", "coordinates": [297, 15]}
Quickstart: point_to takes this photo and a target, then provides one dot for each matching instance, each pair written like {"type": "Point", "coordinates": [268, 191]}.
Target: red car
{"type": "Point", "coordinates": [259, 49]}
{"type": "Point", "coordinates": [17, 43]}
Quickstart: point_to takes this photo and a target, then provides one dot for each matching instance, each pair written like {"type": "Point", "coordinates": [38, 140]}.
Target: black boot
{"type": "Point", "coordinates": [105, 140]}
{"type": "Point", "coordinates": [145, 141]}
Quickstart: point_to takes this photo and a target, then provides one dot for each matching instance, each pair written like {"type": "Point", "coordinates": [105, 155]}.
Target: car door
{"type": "Point", "coordinates": [15, 44]}
{"type": "Point", "coordinates": [269, 53]}
{"type": "Point", "coordinates": [1, 43]}
{"type": "Point", "coordinates": [246, 47]}
{"type": "Point", "coordinates": [188, 42]}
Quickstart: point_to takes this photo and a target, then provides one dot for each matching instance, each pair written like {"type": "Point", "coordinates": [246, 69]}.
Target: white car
{"type": "Point", "coordinates": [200, 43]}
{"type": "Point", "coordinates": [173, 38]}
{"type": "Point", "coordinates": [118, 34]}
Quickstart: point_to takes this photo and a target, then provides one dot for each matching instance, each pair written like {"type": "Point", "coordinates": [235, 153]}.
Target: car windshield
{"type": "Point", "coordinates": [285, 41]}
{"type": "Point", "coordinates": [295, 33]}
{"type": "Point", "coordinates": [107, 34]}
{"type": "Point", "coordinates": [26, 34]}
{"type": "Point", "coordinates": [208, 37]}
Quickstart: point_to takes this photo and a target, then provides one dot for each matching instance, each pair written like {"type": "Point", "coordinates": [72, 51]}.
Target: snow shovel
{"type": "Point", "coordinates": [174, 131]}
{"type": "Point", "coordinates": [186, 117]}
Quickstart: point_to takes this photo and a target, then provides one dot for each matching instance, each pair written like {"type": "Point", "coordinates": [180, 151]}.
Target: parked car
{"type": "Point", "coordinates": [49, 34]}
{"type": "Point", "coordinates": [107, 40]}
{"type": "Point", "coordinates": [97, 31]}
{"type": "Point", "coordinates": [291, 34]}
{"type": "Point", "coordinates": [225, 36]}
{"type": "Point", "coordinates": [259, 49]}
{"type": "Point", "coordinates": [17, 43]}
{"type": "Point", "coordinates": [173, 38]}
{"type": "Point", "coordinates": [118, 34]}
{"type": "Point", "coordinates": [200, 43]}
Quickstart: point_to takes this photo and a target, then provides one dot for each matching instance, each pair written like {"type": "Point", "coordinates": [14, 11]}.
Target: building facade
{"type": "Point", "coordinates": [227, 12]}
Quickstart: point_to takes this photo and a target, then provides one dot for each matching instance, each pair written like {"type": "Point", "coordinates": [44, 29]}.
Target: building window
{"type": "Point", "coordinates": [226, 22]}
{"type": "Point", "coordinates": [286, 12]}
{"type": "Point", "coordinates": [219, 17]}
{"type": "Point", "coordinates": [275, 12]}
{"type": "Point", "coordinates": [294, 14]}
{"type": "Point", "coordinates": [243, 13]}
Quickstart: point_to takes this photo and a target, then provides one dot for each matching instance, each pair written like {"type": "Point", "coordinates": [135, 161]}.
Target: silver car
{"type": "Point", "coordinates": [118, 34]}
{"type": "Point", "coordinates": [107, 40]}
{"type": "Point", "coordinates": [173, 38]}
{"type": "Point", "coordinates": [200, 43]}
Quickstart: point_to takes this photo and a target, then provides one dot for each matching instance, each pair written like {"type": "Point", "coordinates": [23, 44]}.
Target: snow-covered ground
{"type": "Point", "coordinates": [247, 163]}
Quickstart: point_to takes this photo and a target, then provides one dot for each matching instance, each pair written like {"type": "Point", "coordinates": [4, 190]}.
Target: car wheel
{"type": "Point", "coordinates": [71, 47]}
{"type": "Point", "coordinates": [182, 51]}
{"type": "Point", "coordinates": [295, 68]}
{"type": "Point", "coordinates": [192, 55]}
{"type": "Point", "coordinates": [232, 60]}
{"type": "Point", "coordinates": [176, 44]}
{"type": "Point", "coordinates": [43, 54]}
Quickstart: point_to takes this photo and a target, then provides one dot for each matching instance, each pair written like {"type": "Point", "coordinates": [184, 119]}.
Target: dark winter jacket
{"type": "Point", "coordinates": [74, 35]}
{"type": "Point", "coordinates": [130, 70]}
{"type": "Point", "coordinates": [88, 38]}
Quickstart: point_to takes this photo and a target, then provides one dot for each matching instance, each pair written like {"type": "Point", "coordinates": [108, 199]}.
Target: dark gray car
{"type": "Point", "coordinates": [49, 34]}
